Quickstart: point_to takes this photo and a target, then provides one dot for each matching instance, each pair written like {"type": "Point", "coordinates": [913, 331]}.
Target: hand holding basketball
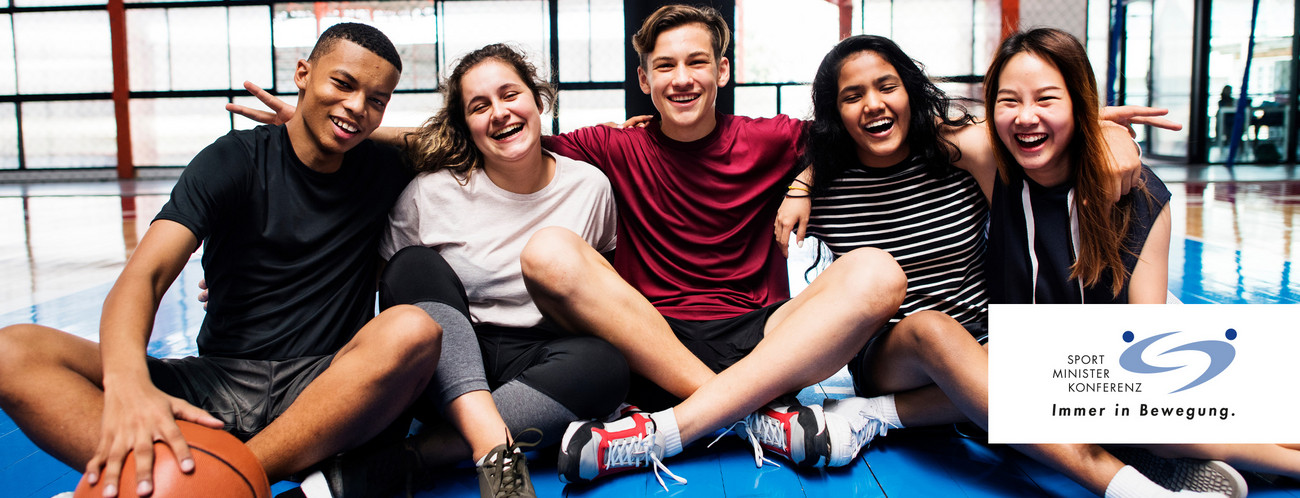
{"type": "Point", "coordinates": [223, 466]}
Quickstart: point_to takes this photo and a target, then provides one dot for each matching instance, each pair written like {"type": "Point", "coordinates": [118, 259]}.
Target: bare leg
{"type": "Point", "coordinates": [51, 385]}
{"type": "Point", "coordinates": [476, 417]}
{"type": "Point", "coordinates": [373, 378]}
{"type": "Point", "coordinates": [939, 372]}
{"type": "Point", "coordinates": [943, 374]}
{"type": "Point", "coordinates": [577, 288]}
{"type": "Point", "coordinates": [806, 340]}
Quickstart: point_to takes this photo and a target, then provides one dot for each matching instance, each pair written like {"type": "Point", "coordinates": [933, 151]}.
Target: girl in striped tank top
{"type": "Point", "coordinates": [889, 166]}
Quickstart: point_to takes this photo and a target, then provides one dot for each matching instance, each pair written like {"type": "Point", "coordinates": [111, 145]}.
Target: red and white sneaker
{"type": "Point", "coordinates": [795, 432]}
{"type": "Point", "coordinates": [592, 449]}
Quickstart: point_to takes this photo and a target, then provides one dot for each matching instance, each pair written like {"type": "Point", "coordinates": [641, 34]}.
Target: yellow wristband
{"type": "Point", "coordinates": [794, 187]}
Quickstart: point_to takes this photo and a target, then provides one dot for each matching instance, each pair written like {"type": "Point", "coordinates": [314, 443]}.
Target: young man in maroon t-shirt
{"type": "Point", "coordinates": [697, 297]}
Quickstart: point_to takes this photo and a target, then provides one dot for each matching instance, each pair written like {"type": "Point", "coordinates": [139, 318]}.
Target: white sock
{"type": "Point", "coordinates": [314, 486]}
{"type": "Point", "coordinates": [666, 427]}
{"type": "Point", "coordinates": [888, 410]}
{"type": "Point", "coordinates": [1129, 483]}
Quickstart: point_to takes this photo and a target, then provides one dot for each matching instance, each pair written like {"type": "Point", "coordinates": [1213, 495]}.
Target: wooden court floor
{"type": "Point", "coordinates": [62, 244]}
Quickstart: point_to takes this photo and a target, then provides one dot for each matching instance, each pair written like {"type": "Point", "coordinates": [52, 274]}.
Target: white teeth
{"type": "Point", "coordinates": [346, 127]}
{"type": "Point", "coordinates": [507, 131]}
{"type": "Point", "coordinates": [880, 125]}
{"type": "Point", "coordinates": [1031, 139]}
{"type": "Point", "coordinates": [683, 98]}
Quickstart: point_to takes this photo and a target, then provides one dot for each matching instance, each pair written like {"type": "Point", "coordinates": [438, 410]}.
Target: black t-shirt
{"type": "Point", "coordinates": [291, 254]}
{"type": "Point", "coordinates": [1009, 270]}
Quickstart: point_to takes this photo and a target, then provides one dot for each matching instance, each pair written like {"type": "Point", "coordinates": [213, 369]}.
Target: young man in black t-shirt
{"type": "Point", "coordinates": [291, 356]}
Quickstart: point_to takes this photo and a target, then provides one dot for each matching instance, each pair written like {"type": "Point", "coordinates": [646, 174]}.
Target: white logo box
{"type": "Point", "coordinates": [1057, 373]}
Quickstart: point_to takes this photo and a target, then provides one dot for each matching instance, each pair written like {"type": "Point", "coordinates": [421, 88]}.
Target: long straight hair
{"type": "Point", "coordinates": [1102, 224]}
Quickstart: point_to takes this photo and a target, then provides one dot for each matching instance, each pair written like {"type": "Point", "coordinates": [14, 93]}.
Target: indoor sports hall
{"type": "Point", "coordinates": [102, 104]}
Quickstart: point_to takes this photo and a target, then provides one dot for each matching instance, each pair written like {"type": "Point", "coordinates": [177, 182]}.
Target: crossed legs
{"type": "Point", "coordinates": [51, 384]}
{"type": "Point", "coordinates": [806, 340]}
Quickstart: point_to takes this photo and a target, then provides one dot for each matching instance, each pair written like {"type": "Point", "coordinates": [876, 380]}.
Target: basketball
{"type": "Point", "coordinates": [223, 467]}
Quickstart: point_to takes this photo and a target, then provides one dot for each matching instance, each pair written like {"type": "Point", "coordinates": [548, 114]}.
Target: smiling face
{"type": "Point", "coordinates": [502, 114]}
{"type": "Point", "coordinates": [682, 76]}
{"type": "Point", "coordinates": [342, 97]}
{"type": "Point", "coordinates": [875, 109]}
{"type": "Point", "coordinates": [1034, 117]}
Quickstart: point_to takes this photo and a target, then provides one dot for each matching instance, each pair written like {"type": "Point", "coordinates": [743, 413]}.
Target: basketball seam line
{"type": "Point", "coordinates": [252, 491]}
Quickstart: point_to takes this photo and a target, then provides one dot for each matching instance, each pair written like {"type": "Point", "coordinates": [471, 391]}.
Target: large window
{"type": "Point", "coordinates": [1265, 120]}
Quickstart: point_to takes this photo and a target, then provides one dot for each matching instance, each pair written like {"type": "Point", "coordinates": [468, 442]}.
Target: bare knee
{"type": "Point", "coordinates": [22, 346]}
{"type": "Point", "coordinates": [28, 350]}
{"type": "Point", "coordinates": [409, 334]}
{"type": "Point", "coordinates": [552, 261]}
{"type": "Point", "coordinates": [929, 330]}
{"type": "Point", "coordinates": [873, 277]}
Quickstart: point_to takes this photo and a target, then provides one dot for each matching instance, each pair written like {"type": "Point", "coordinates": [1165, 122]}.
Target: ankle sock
{"type": "Point", "coordinates": [1129, 483]}
{"type": "Point", "coordinates": [888, 410]}
{"type": "Point", "coordinates": [666, 426]}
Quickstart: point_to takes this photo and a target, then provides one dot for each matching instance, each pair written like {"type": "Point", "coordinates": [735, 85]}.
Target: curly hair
{"type": "Point", "coordinates": [443, 141]}
{"type": "Point", "coordinates": [827, 145]}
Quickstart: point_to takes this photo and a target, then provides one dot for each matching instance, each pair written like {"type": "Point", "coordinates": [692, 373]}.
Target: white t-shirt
{"type": "Point", "coordinates": [480, 229]}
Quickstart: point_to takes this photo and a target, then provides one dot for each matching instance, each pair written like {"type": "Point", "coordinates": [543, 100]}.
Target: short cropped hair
{"type": "Point", "coordinates": [368, 37]}
{"type": "Point", "coordinates": [672, 16]}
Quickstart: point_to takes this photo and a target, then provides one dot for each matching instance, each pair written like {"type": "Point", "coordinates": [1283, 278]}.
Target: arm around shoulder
{"type": "Point", "coordinates": [977, 156]}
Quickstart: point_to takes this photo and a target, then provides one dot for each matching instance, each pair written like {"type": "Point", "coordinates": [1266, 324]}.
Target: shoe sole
{"type": "Point", "coordinates": [1177, 474]}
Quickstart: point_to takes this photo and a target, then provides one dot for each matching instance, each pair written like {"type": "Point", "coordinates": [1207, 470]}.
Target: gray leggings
{"type": "Point", "coordinates": [538, 378]}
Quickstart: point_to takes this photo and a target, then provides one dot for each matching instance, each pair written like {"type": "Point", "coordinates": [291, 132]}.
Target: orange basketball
{"type": "Point", "coordinates": [223, 467]}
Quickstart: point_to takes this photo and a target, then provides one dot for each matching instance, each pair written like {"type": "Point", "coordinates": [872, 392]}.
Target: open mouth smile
{"type": "Point", "coordinates": [350, 128]}
{"type": "Point", "coordinates": [683, 99]}
{"type": "Point", "coordinates": [1031, 140]}
{"type": "Point", "coordinates": [879, 126]}
{"type": "Point", "coordinates": [508, 131]}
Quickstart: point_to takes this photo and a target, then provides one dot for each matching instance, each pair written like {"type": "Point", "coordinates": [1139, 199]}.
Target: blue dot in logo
{"type": "Point", "coordinates": [1128, 336]}
{"type": "Point", "coordinates": [1231, 334]}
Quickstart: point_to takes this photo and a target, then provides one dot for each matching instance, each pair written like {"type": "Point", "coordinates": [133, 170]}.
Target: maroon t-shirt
{"type": "Point", "coordinates": [695, 218]}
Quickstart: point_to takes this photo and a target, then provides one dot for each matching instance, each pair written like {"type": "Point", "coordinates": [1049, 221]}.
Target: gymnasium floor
{"type": "Point", "coordinates": [62, 244]}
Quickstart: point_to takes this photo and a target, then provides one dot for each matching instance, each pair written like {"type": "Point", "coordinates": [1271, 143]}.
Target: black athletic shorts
{"type": "Point", "coordinates": [858, 365]}
{"type": "Point", "coordinates": [718, 343]}
{"type": "Point", "coordinates": [245, 394]}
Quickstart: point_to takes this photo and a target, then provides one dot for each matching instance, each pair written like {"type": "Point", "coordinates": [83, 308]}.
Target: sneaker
{"type": "Point", "coordinates": [504, 474]}
{"type": "Point", "coordinates": [592, 449]}
{"type": "Point", "coordinates": [1178, 474]}
{"type": "Point", "coordinates": [383, 471]}
{"type": "Point", "coordinates": [851, 424]}
{"type": "Point", "coordinates": [795, 432]}
{"type": "Point", "coordinates": [623, 410]}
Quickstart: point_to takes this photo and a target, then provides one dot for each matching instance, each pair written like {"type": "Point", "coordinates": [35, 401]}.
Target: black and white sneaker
{"type": "Point", "coordinates": [1179, 474]}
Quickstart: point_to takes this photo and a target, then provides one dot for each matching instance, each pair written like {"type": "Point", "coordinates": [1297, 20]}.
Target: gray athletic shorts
{"type": "Point", "coordinates": [245, 394]}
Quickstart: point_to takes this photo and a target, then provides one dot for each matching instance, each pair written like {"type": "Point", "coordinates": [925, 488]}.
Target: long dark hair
{"type": "Point", "coordinates": [443, 141]}
{"type": "Point", "coordinates": [1102, 224]}
{"type": "Point", "coordinates": [827, 145]}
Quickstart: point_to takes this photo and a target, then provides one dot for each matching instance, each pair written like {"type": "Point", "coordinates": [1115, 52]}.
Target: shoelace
{"type": "Point", "coordinates": [638, 451]}
{"type": "Point", "coordinates": [870, 428]}
{"type": "Point", "coordinates": [511, 480]}
{"type": "Point", "coordinates": [504, 468]}
{"type": "Point", "coordinates": [770, 431]}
